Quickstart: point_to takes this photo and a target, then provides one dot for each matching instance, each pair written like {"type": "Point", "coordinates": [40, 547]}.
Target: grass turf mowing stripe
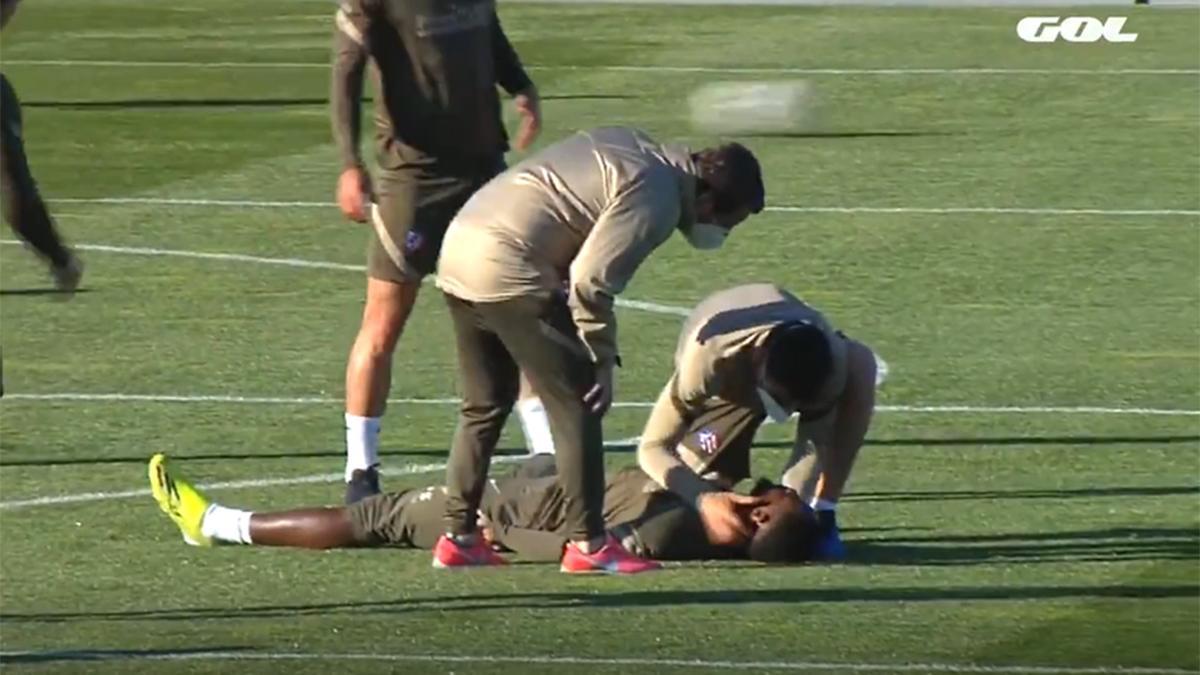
{"type": "Point", "coordinates": [409, 470]}
{"type": "Point", "coordinates": [317, 400]}
{"type": "Point", "coordinates": [794, 666]}
{"type": "Point", "coordinates": [70, 63]}
{"type": "Point", "coordinates": [933, 210]}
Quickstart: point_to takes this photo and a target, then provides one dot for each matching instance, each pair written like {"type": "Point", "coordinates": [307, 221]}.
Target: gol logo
{"type": "Point", "coordinates": [1073, 29]}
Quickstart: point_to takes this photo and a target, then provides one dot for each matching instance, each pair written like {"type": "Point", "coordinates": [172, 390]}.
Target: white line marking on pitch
{"type": "Point", "coordinates": [652, 307]}
{"type": "Point", "coordinates": [953, 210]}
{"type": "Point", "coordinates": [631, 304]}
{"type": "Point", "coordinates": [795, 666]}
{"type": "Point", "coordinates": [639, 69]}
{"type": "Point", "coordinates": [315, 400]}
{"type": "Point", "coordinates": [409, 470]}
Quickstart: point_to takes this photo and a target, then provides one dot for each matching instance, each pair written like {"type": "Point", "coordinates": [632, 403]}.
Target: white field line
{"type": "Point", "coordinates": [792, 666]}
{"type": "Point", "coordinates": [318, 400]}
{"type": "Point", "coordinates": [642, 305]}
{"type": "Point", "coordinates": [765, 70]}
{"type": "Point", "coordinates": [632, 304]}
{"type": "Point", "coordinates": [952, 210]}
{"type": "Point", "coordinates": [408, 470]}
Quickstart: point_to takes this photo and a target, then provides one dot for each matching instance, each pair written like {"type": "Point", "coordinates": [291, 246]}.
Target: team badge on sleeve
{"type": "Point", "coordinates": [708, 441]}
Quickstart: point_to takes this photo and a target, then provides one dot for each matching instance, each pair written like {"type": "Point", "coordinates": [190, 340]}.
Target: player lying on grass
{"type": "Point", "coordinates": [523, 513]}
{"type": "Point", "coordinates": [745, 355]}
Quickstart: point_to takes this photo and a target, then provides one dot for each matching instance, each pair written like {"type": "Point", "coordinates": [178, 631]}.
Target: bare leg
{"type": "Point", "coordinates": [369, 377]}
{"type": "Point", "coordinates": [319, 528]}
{"type": "Point", "coordinates": [369, 368]}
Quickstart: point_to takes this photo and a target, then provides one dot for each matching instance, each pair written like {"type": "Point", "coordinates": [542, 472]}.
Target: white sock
{"type": "Point", "coordinates": [362, 443]}
{"type": "Point", "coordinates": [227, 525]}
{"type": "Point", "coordinates": [823, 505]}
{"type": "Point", "coordinates": [536, 425]}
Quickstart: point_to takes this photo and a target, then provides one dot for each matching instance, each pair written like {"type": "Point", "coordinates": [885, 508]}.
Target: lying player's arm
{"type": "Point", "coordinates": [629, 228]}
{"type": "Point", "coordinates": [838, 439]}
{"type": "Point", "coordinates": [657, 455]}
{"type": "Point", "coordinates": [346, 87]}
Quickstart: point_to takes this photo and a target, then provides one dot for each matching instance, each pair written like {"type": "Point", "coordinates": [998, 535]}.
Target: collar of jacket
{"type": "Point", "coordinates": [680, 157]}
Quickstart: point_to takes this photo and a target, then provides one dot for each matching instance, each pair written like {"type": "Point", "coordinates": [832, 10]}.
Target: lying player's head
{"type": "Point", "coordinates": [799, 360]}
{"type": "Point", "coordinates": [729, 190]}
{"type": "Point", "coordinates": [786, 527]}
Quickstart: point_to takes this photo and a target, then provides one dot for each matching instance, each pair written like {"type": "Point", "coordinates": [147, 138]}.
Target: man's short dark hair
{"type": "Point", "coordinates": [799, 359]}
{"type": "Point", "coordinates": [787, 538]}
{"type": "Point", "coordinates": [732, 174]}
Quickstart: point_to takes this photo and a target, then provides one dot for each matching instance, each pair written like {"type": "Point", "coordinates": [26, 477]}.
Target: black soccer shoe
{"type": "Point", "coordinates": [362, 484]}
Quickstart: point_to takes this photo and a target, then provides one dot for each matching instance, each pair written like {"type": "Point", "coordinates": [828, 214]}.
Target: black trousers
{"type": "Point", "coordinates": [496, 341]}
{"type": "Point", "coordinates": [23, 207]}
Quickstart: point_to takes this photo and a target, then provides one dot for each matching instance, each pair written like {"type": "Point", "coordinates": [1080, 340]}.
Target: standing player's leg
{"type": "Point", "coordinates": [409, 223]}
{"type": "Point", "coordinates": [368, 379]}
{"type": "Point", "coordinates": [23, 207]}
{"type": "Point", "coordinates": [535, 423]}
{"type": "Point", "coordinates": [488, 383]}
{"type": "Point", "coordinates": [541, 336]}
{"type": "Point", "coordinates": [401, 252]}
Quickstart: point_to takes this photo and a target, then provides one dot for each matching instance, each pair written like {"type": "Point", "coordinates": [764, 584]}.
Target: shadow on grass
{"type": "Point", "coordinates": [988, 495]}
{"type": "Point", "coordinates": [186, 103]}
{"type": "Point", "coordinates": [617, 599]}
{"type": "Point", "coordinates": [989, 441]}
{"type": "Point", "coordinates": [26, 292]}
{"type": "Point", "coordinates": [9, 460]}
{"type": "Point", "coordinates": [850, 134]}
{"type": "Point", "coordinates": [69, 655]}
{"type": "Point", "coordinates": [1108, 545]}
{"type": "Point", "coordinates": [441, 453]}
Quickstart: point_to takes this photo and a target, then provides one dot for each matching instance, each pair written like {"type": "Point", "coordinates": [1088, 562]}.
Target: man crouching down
{"type": "Point", "coordinates": [523, 513]}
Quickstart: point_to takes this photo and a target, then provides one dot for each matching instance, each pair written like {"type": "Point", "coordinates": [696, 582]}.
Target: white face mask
{"type": "Point", "coordinates": [776, 412]}
{"type": "Point", "coordinates": [706, 236]}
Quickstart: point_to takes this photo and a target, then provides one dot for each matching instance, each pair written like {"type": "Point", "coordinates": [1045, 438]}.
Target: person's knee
{"type": "Point", "coordinates": [388, 307]}
{"type": "Point", "coordinates": [491, 415]}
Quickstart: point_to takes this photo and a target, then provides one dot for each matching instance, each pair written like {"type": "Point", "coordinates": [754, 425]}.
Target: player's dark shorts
{"type": "Point", "coordinates": [723, 434]}
{"type": "Point", "coordinates": [409, 518]}
{"type": "Point", "coordinates": [414, 206]}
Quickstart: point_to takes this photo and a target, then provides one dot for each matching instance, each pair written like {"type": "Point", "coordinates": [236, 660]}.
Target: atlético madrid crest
{"type": "Point", "coordinates": [708, 440]}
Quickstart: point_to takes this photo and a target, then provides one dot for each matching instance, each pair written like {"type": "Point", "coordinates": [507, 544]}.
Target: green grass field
{"type": "Point", "coordinates": [982, 541]}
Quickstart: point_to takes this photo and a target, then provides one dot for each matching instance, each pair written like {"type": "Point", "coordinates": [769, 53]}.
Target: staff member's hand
{"type": "Point", "coordinates": [722, 522]}
{"type": "Point", "coordinates": [354, 193]}
{"type": "Point", "coordinates": [599, 398]}
{"type": "Point", "coordinates": [529, 107]}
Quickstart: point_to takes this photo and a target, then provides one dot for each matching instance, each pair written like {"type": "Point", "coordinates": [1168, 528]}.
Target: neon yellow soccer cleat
{"type": "Point", "coordinates": [178, 499]}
